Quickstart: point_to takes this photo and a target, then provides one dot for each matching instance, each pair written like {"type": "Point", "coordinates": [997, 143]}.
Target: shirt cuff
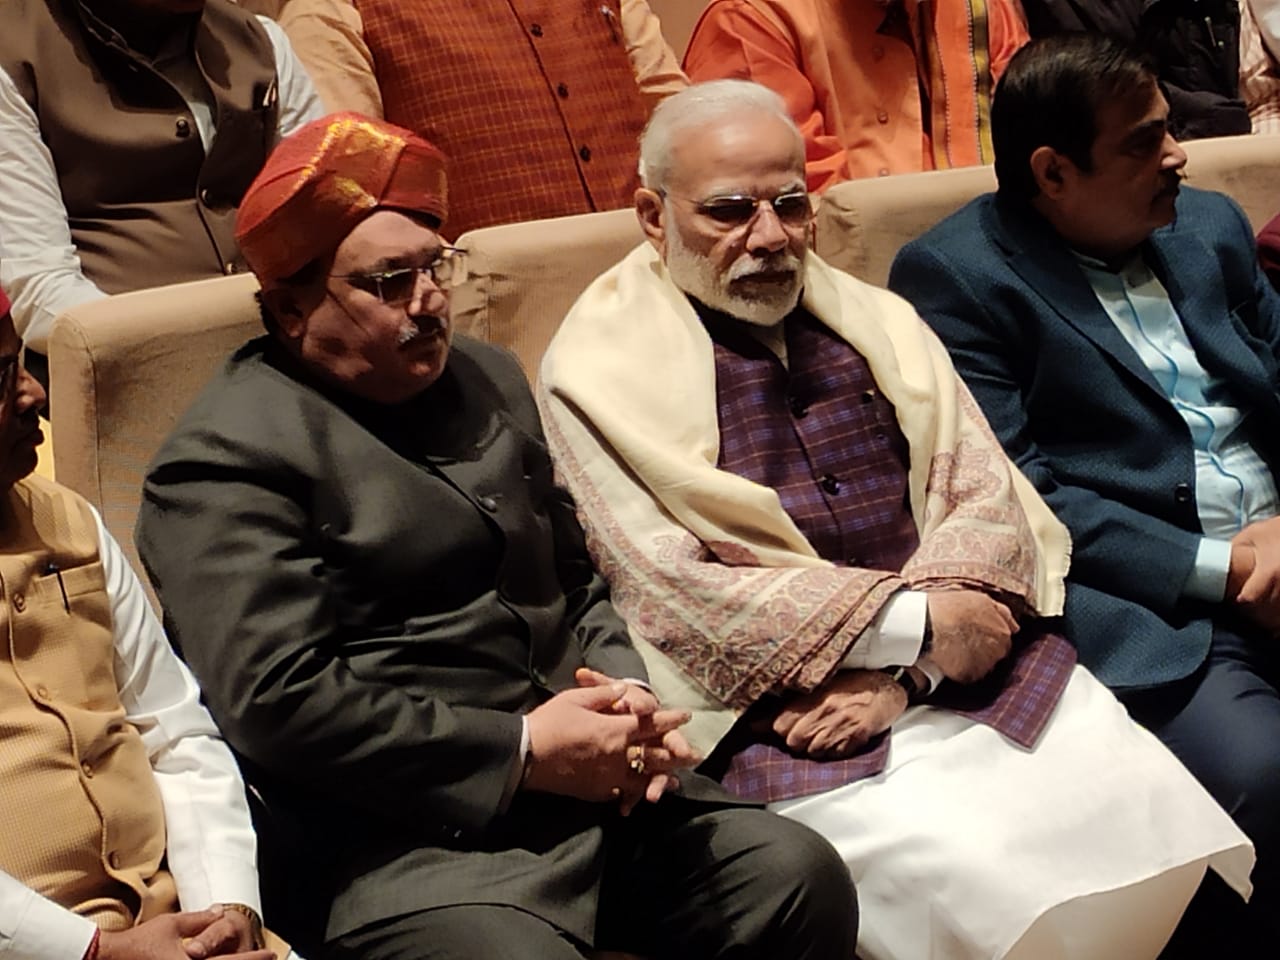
{"type": "Point", "coordinates": [1208, 578]}
{"type": "Point", "coordinates": [930, 670]}
{"type": "Point", "coordinates": [894, 637]}
{"type": "Point", "coordinates": [46, 930]}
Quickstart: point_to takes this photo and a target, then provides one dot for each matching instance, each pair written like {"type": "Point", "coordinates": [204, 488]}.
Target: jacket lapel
{"type": "Point", "coordinates": [1201, 301]}
{"type": "Point", "coordinates": [1053, 275]}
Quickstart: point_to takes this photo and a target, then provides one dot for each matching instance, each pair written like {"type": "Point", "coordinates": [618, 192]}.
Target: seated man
{"type": "Point", "coordinates": [356, 536]}
{"type": "Point", "coordinates": [790, 491]}
{"type": "Point", "coordinates": [876, 86]}
{"type": "Point", "coordinates": [1121, 339]}
{"type": "Point", "coordinates": [122, 805]}
{"type": "Point", "coordinates": [538, 105]}
{"type": "Point", "coordinates": [128, 131]}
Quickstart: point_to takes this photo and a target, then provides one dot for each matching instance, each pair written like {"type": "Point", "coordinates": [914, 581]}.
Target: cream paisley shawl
{"type": "Point", "coordinates": [724, 597]}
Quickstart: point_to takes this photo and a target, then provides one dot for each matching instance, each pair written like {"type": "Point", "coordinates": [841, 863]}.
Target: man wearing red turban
{"type": "Point", "coordinates": [389, 604]}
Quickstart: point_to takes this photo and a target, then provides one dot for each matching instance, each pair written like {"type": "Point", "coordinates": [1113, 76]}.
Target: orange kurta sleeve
{"type": "Point", "coordinates": [733, 39]}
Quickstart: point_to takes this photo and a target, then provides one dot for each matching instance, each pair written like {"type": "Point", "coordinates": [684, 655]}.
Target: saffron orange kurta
{"type": "Point", "coordinates": [873, 95]}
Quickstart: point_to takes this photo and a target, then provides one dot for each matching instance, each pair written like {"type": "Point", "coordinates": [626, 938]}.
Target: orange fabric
{"type": "Point", "coordinates": [534, 101]}
{"type": "Point", "coordinates": [327, 177]}
{"type": "Point", "coordinates": [854, 89]}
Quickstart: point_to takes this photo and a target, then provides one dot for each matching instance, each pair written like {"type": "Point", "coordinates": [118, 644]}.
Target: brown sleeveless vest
{"type": "Point", "coordinates": [533, 101]}
{"type": "Point", "coordinates": [84, 825]}
{"type": "Point", "coordinates": [145, 205]}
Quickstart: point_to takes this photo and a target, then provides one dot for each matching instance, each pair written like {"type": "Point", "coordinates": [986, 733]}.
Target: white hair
{"type": "Point", "coordinates": [699, 106]}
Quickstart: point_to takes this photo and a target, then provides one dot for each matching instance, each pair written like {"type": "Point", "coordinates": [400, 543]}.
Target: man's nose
{"type": "Point", "coordinates": [30, 395]}
{"type": "Point", "coordinates": [428, 296]}
{"type": "Point", "coordinates": [766, 231]}
{"type": "Point", "coordinates": [1174, 158]}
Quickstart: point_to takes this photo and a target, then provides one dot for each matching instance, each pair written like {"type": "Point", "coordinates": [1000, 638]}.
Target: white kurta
{"type": "Point", "coordinates": [1086, 848]}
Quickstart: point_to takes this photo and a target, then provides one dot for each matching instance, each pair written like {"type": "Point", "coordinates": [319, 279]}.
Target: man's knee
{"type": "Point", "coordinates": [799, 875]}
{"type": "Point", "coordinates": [462, 932]}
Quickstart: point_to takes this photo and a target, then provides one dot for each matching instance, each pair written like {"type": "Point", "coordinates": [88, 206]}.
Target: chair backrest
{"type": "Point", "coordinates": [523, 277]}
{"type": "Point", "coordinates": [862, 224]}
{"type": "Point", "coordinates": [1246, 168]}
{"type": "Point", "coordinates": [122, 370]}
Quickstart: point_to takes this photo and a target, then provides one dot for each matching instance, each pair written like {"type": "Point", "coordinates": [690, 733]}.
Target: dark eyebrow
{"type": "Point", "coordinates": [1144, 131]}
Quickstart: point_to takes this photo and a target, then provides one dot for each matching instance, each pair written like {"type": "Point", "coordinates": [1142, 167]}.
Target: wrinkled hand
{"type": "Point", "coordinates": [1253, 581]}
{"type": "Point", "coordinates": [580, 748]}
{"type": "Point", "coordinates": [168, 938]}
{"type": "Point", "coordinates": [971, 633]}
{"type": "Point", "coordinates": [839, 717]}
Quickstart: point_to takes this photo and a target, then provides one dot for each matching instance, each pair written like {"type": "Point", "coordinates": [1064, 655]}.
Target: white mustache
{"type": "Point", "coordinates": [778, 263]}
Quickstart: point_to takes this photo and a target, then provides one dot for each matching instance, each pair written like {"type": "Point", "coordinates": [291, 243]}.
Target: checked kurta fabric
{"type": "Point", "coordinates": [533, 101]}
{"type": "Point", "coordinates": [820, 432]}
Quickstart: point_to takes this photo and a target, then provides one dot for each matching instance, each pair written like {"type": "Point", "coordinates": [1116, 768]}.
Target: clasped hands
{"type": "Point", "coordinates": [972, 632]}
{"type": "Point", "coordinates": [605, 741]}
{"type": "Point", "coordinates": [211, 934]}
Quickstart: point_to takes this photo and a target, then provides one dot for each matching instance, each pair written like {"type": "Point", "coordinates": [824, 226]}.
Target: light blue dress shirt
{"type": "Point", "coordinates": [1233, 485]}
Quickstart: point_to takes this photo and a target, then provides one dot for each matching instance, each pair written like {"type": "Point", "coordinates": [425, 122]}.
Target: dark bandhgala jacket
{"type": "Point", "coordinates": [145, 205]}
{"type": "Point", "coordinates": [1085, 420]}
{"type": "Point", "coordinates": [370, 598]}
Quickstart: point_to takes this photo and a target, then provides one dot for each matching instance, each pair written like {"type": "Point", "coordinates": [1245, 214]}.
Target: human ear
{"type": "Point", "coordinates": [286, 308]}
{"type": "Point", "coordinates": [652, 214]}
{"type": "Point", "coordinates": [1051, 171]}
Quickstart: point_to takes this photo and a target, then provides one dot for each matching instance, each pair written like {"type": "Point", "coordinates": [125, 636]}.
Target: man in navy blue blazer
{"type": "Point", "coordinates": [1116, 330]}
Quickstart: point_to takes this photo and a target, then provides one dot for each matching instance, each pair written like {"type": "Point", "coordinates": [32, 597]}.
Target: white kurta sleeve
{"type": "Point", "coordinates": [211, 845]}
{"type": "Point", "coordinates": [299, 101]}
{"type": "Point", "coordinates": [39, 267]}
{"type": "Point", "coordinates": [33, 928]}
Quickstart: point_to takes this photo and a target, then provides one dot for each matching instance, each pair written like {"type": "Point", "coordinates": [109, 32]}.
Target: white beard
{"type": "Point", "coordinates": [765, 307]}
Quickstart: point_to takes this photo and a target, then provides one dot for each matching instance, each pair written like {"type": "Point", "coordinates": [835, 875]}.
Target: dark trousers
{"type": "Point", "coordinates": [682, 882]}
{"type": "Point", "coordinates": [1223, 723]}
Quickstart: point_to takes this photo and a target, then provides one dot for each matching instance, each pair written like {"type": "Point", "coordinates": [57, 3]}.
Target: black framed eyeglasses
{"type": "Point", "coordinates": [735, 210]}
{"type": "Point", "coordinates": [447, 269]}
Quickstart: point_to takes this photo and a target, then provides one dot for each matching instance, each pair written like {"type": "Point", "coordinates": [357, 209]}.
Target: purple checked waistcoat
{"type": "Point", "coordinates": [820, 433]}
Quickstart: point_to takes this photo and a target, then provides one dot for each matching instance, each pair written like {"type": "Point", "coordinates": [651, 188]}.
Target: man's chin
{"type": "Point", "coordinates": [758, 311]}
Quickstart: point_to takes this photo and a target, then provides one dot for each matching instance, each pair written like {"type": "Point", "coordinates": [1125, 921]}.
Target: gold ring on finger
{"type": "Point", "coordinates": [635, 759]}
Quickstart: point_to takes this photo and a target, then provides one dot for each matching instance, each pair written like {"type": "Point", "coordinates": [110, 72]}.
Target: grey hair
{"type": "Point", "coordinates": [698, 106]}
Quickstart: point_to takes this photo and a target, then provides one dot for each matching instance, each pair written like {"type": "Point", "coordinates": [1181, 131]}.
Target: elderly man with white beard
{"type": "Point", "coordinates": [822, 551]}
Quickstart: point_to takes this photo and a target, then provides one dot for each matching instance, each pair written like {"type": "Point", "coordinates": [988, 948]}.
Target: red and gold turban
{"type": "Point", "coordinates": [325, 178]}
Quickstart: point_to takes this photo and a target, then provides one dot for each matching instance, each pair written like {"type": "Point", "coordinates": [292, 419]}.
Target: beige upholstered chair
{"type": "Point", "coordinates": [122, 370]}
{"type": "Point", "coordinates": [523, 277]}
{"type": "Point", "coordinates": [1246, 168]}
{"type": "Point", "coordinates": [862, 224]}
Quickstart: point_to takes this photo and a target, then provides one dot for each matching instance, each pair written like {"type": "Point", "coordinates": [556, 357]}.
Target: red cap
{"type": "Point", "coordinates": [325, 178]}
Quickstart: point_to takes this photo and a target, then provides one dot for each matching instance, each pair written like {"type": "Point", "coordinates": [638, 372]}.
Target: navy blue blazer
{"type": "Point", "coordinates": [1084, 419]}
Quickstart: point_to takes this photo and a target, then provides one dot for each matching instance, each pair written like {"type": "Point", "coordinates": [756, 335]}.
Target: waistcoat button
{"type": "Point", "coordinates": [831, 484]}
{"type": "Point", "coordinates": [19, 602]}
{"type": "Point", "coordinates": [183, 127]}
